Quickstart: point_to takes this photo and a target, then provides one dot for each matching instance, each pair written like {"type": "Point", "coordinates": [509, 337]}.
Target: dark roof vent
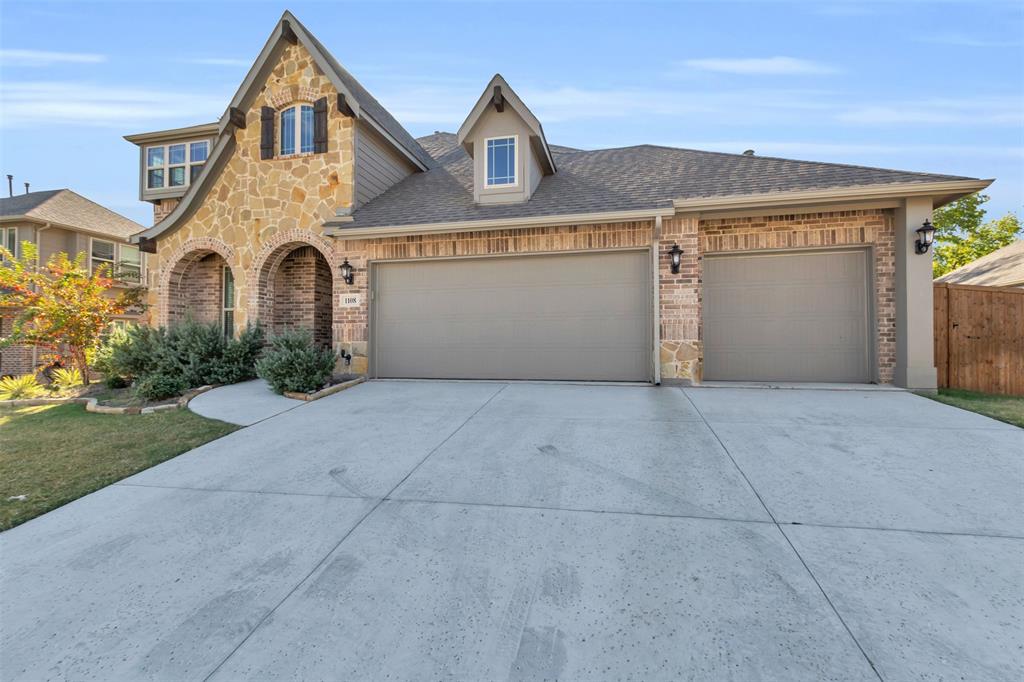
{"type": "Point", "coordinates": [748, 152]}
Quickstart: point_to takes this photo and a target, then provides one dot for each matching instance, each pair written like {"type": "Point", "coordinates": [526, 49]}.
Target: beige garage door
{"type": "Point", "coordinates": [567, 317]}
{"type": "Point", "coordinates": [787, 317]}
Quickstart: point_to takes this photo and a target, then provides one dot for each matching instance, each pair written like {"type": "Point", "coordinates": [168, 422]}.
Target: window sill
{"type": "Point", "coordinates": [295, 156]}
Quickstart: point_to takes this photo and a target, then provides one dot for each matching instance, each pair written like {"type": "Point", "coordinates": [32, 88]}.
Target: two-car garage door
{"type": "Point", "coordinates": [567, 316]}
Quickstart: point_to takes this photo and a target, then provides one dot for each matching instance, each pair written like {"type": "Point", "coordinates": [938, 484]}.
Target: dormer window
{"type": "Point", "coordinates": [501, 161]}
{"type": "Point", "coordinates": [297, 130]}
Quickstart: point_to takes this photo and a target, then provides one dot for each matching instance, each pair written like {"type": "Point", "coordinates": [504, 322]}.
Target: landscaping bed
{"type": "Point", "coordinates": [53, 454]}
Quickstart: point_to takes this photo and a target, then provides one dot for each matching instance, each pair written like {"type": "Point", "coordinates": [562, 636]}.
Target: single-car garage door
{"type": "Point", "coordinates": [787, 317]}
{"type": "Point", "coordinates": [567, 317]}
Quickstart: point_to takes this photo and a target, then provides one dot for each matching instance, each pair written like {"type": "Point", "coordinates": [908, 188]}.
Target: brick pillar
{"type": "Point", "coordinates": [679, 302]}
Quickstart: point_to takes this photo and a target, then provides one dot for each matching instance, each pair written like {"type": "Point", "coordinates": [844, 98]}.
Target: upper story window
{"type": "Point", "coordinates": [123, 261]}
{"type": "Point", "coordinates": [297, 129]}
{"type": "Point", "coordinates": [501, 161]}
{"type": "Point", "coordinates": [175, 165]}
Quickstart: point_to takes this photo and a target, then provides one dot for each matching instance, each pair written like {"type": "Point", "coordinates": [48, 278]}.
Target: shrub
{"type": "Point", "coordinates": [196, 351]}
{"type": "Point", "coordinates": [294, 363]}
{"type": "Point", "coordinates": [135, 352]}
{"type": "Point", "coordinates": [159, 385]}
{"type": "Point", "coordinates": [102, 359]}
{"type": "Point", "coordinates": [17, 388]}
{"type": "Point", "coordinates": [238, 362]}
{"type": "Point", "coordinates": [64, 379]}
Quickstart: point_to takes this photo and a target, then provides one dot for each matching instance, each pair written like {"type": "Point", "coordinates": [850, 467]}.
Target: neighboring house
{"type": "Point", "coordinates": [490, 253]}
{"type": "Point", "coordinates": [1001, 268]}
{"type": "Point", "coordinates": [61, 220]}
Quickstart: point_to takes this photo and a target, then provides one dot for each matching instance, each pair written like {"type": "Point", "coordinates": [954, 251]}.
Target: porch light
{"type": "Point", "coordinates": [677, 258]}
{"type": "Point", "coordinates": [348, 272]}
{"type": "Point", "coordinates": [926, 235]}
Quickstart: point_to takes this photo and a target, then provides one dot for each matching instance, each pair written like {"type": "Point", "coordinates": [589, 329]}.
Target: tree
{"type": "Point", "coordinates": [60, 305]}
{"type": "Point", "coordinates": [962, 237]}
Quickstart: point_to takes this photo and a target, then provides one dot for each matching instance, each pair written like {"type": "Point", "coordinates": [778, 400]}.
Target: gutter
{"type": "Point", "coordinates": [336, 227]}
{"type": "Point", "coordinates": [857, 192]}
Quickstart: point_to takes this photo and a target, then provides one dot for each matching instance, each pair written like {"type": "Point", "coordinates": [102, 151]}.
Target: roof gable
{"type": "Point", "coordinates": [500, 94]}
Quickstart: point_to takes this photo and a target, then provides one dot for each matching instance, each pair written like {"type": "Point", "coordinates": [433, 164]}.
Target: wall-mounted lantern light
{"type": "Point", "coordinates": [348, 272]}
{"type": "Point", "coordinates": [925, 237]}
{"type": "Point", "coordinates": [676, 254]}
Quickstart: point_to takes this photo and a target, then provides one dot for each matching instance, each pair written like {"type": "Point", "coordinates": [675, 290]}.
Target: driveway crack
{"type": "Point", "coordinates": [351, 530]}
{"type": "Point", "coordinates": [784, 536]}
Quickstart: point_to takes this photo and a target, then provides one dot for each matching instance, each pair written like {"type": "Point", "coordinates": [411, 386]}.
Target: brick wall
{"type": "Point", "coordinates": [302, 294]}
{"type": "Point", "coordinates": [870, 227]}
{"type": "Point", "coordinates": [162, 208]}
{"type": "Point", "coordinates": [197, 292]}
{"type": "Point", "coordinates": [14, 360]}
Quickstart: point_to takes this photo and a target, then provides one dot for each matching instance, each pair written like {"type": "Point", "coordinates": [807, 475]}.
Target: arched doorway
{"type": "Point", "coordinates": [295, 291]}
{"type": "Point", "coordinates": [200, 286]}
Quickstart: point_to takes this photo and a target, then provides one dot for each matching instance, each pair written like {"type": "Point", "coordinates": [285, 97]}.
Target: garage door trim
{"type": "Point", "coordinates": [652, 293]}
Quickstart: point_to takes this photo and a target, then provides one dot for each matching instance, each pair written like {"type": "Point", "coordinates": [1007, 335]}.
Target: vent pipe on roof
{"type": "Point", "coordinates": [26, 188]}
{"type": "Point", "coordinates": [748, 152]}
{"type": "Point", "coordinates": [10, 185]}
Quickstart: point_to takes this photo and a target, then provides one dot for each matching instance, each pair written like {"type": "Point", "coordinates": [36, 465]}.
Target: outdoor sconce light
{"type": "Point", "coordinates": [926, 235]}
{"type": "Point", "coordinates": [348, 272]}
{"type": "Point", "coordinates": [677, 258]}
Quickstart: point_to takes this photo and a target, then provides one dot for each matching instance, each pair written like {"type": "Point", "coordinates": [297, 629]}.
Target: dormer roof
{"type": "Point", "coordinates": [500, 94]}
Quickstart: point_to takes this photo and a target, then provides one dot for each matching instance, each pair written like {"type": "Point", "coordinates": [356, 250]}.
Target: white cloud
{"type": "Point", "coordinates": [28, 104]}
{"type": "Point", "coordinates": [760, 66]}
{"type": "Point", "coordinates": [215, 61]}
{"type": "Point", "coordinates": [44, 58]}
{"type": "Point", "coordinates": [962, 40]}
{"type": "Point", "coordinates": [974, 111]}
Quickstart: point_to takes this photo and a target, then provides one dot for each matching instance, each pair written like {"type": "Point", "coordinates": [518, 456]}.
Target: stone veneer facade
{"type": "Point", "coordinates": [258, 213]}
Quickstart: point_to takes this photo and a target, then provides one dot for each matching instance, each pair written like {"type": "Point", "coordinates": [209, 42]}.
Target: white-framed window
{"type": "Point", "coordinates": [501, 161]}
{"type": "Point", "coordinates": [129, 266]}
{"type": "Point", "coordinates": [9, 238]}
{"type": "Point", "coordinates": [228, 304]}
{"type": "Point", "coordinates": [297, 129]}
{"type": "Point", "coordinates": [175, 165]}
{"type": "Point", "coordinates": [102, 252]}
{"type": "Point", "coordinates": [123, 261]}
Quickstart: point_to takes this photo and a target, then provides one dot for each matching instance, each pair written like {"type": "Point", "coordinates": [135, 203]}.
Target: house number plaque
{"type": "Point", "coordinates": [351, 300]}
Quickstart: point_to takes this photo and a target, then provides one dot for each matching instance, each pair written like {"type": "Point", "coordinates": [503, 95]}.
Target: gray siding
{"type": "Point", "coordinates": [378, 167]}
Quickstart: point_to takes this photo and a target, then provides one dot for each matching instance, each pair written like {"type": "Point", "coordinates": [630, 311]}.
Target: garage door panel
{"type": "Point", "coordinates": [795, 317]}
{"type": "Point", "coordinates": [579, 316]}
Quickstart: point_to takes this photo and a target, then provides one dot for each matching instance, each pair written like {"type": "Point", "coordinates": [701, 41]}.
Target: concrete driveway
{"type": "Point", "coordinates": [488, 531]}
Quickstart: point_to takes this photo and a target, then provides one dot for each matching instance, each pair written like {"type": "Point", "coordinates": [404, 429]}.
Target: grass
{"type": "Point", "coordinates": [1005, 408]}
{"type": "Point", "coordinates": [53, 454]}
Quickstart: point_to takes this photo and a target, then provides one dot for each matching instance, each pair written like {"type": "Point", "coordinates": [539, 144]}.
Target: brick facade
{"type": "Point", "coordinates": [302, 294]}
{"type": "Point", "coordinates": [14, 360]}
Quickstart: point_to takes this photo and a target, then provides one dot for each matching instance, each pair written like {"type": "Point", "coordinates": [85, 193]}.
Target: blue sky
{"type": "Point", "coordinates": [913, 85]}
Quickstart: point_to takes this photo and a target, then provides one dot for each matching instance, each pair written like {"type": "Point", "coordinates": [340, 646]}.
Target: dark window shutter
{"type": "Point", "coordinates": [320, 125]}
{"type": "Point", "coordinates": [267, 115]}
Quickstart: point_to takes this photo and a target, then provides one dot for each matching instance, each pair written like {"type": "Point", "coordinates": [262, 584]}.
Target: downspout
{"type": "Point", "coordinates": [39, 253]}
{"type": "Point", "coordinates": [656, 299]}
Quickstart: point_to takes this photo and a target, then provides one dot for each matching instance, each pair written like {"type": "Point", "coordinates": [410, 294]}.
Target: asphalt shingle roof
{"type": "Point", "coordinates": [1001, 268]}
{"type": "Point", "coordinates": [621, 179]}
{"type": "Point", "coordinates": [68, 208]}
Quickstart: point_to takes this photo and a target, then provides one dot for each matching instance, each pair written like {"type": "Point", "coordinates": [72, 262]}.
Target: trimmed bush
{"type": "Point", "coordinates": [135, 351]}
{"type": "Point", "coordinates": [195, 351]}
{"type": "Point", "coordinates": [294, 363]}
{"type": "Point", "coordinates": [102, 358]}
{"type": "Point", "coordinates": [238, 362]}
{"type": "Point", "coordinates": [159, 386]}
{"type": "Point", "coordinates": [18, 388]}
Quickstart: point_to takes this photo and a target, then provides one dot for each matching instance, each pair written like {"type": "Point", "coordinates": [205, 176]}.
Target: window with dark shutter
{"type": "Point", "coordinates": [320, 125]}
{"type": "Point", "coordinates": [267, 115]}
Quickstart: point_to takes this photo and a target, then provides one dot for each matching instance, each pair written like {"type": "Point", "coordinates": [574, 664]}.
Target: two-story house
{"type": "Point", "coordinates": [491, 253]}
{"type": "Point", "coordinates": [60, 220]}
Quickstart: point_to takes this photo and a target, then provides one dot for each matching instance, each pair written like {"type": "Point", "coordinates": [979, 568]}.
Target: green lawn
{"type": "Point", "coordinates": [1006, 408]}
{"type": "Point", "coordinates": [53, 454]}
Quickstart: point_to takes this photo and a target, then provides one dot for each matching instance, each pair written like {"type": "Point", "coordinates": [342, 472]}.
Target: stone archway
{"type": "Point", "coordinates": [293, 279]}
{"type": "Point", "coordinates": [199, 283]}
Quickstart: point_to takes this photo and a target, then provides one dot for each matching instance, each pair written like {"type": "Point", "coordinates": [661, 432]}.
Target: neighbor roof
{"type": "Point", "coordinates": [1001, 268]}
{"type": "Point", "coordinates": [607, 180]}
{"type": "Point", "coordinates": [68, 209]}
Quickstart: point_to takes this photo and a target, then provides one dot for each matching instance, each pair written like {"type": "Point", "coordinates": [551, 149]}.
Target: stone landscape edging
{"type": "Point", "coordinates": [324, 392]}
{"type": "Point", "coordinates": [93, 404]}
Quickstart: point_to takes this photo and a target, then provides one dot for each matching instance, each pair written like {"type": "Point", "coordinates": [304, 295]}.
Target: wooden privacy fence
{"type": "Point", "coordinates": [979, 338]}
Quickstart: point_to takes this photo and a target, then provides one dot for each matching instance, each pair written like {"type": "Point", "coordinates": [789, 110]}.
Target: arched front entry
{"type": "Point", "coordinates": [199, 285]}
{"type": "Point", "coordinates": [295, 289]}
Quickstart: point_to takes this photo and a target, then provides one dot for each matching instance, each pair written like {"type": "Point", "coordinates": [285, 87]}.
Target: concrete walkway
{"type": "Point", "coordinates": [490, 531]}
{"type": "Point", "coordinates": [244, 403]}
